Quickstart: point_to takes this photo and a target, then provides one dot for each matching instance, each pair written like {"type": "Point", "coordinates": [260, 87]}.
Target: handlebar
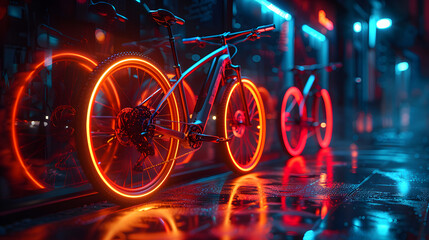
{"type": "Point", "coordinates": [229, 36]}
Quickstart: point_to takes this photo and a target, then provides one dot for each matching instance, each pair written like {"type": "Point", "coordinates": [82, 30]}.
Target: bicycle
{"type": "Point", "coordinates": [145, 132]}
{"type": "Point", "coordinates": [294, 120]}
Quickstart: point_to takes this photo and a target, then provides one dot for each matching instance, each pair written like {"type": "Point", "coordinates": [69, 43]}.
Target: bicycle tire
{"type": "Point", "coordinates": [292, 117]}
{"type": "Point", "coordinates": [120, 172]}
{"type": "Point", "coordinates": [244, 149]}
{"type": "Point", "coordinates": [324, 128]}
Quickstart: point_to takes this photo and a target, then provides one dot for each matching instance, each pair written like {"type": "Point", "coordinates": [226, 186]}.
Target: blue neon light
{"type": "Point", "coordinates": [357, 27]}
{"type": "Point", "coordinates": [384, 23]}
{"type": "Point", "coordinates": [275, 9]}
{"type": "Point", "coordinates": [402, 66]}
{"type": "Point", "coordinates": [313, 33]}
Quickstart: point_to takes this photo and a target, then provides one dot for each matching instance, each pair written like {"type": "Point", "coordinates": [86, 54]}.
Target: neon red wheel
{"type": "Point", "coordinates": [292, 121]}
{"type": "Point", "coordinates": [246, 144]}
{"type": "Point", "coordinates": [122, 154]}
{"type": "Point", "coordinates": [43, 117]}
{"type": "Point", "coordinates": [322, 114]}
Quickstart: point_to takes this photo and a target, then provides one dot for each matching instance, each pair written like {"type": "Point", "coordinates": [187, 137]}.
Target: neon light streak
{"type": "Point", "coordinates": [174, 146]}
{"type": "Point", "coordinates": [372, 31]}
{"type": "Point", "coordinates": [310, 31]}
{"type": "Point", "coordinates": [325, 21]}
{"type": "Point", "coordinates": [275, 9]}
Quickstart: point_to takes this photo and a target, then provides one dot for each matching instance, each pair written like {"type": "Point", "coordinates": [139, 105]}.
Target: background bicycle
{"type": "Point", "coordinates": [306, 108]}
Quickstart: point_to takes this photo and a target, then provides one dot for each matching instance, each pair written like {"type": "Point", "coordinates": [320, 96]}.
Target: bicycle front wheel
{"type": "Point", "coordinates": [123, 157]}
{"type": "Point", "coordinates": [293, 114]}
{"type": "Point", "coordinates": [246, 144]}
{"type": "Point", "coordinates": [323, 117]}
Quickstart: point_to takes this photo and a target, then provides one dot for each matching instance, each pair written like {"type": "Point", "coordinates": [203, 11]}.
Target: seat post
{"type": "Point", "coordinates": [176, 66]}
{"type": "Point", "coordinates": [178, 70]}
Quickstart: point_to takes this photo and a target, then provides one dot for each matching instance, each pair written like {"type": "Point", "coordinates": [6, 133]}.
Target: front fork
{"type": "Point", "coordinates": [237, 69]}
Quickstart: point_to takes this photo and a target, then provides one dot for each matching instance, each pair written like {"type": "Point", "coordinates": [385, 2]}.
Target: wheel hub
{"type": "Point", "coordinates": [132, 128]}
{"type": "Point", "coordinates": [62, 119]}
{"type": "Point", "coordinates": [239, 124]}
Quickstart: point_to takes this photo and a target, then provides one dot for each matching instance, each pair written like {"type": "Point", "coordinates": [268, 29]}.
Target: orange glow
{"type": "Point", "coordinates": [326, 140]}
{"type": "Point", "coordinates": [325, 155]}
{"type": "Point", "coordinates": [259, 149]}
{"type": "Point", "coordinates": [325, 209]}
{"type": "Point", "coordinates": [174, 144]}
{"type": "Point", "coordinates": [100, 35]}
{"type": "Point", "coordinates": [325, 21]}
{"type": "Point", "coordinates": [246, 180]}
{"type": "Point", "coordinates": [298, 98]}
{"type": "Point", "coordinates": [133, 224]}
{"type": "Point", "coordinates": [84, 61]}
{"type": "Point", "coordinates": [171, 76]}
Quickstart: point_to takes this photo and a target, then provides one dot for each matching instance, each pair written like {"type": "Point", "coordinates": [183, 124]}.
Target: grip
{"type": "Point", "coordinates": [191, 40]}
{"type": "Point", "coordinates": [266, 28]}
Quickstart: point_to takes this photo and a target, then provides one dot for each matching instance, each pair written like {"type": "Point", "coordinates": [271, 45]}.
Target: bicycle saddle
{"type": "Point", "coordinates": [166, 18]}
{"type": "Point", "coordinates": [107, 10]}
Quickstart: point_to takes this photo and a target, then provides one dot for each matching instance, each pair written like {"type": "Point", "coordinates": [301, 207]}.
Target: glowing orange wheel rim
{"type": "Point", "coordinates": [42, 120]}
{"type": "Point", "coordinates": [247, 142]}
{"type": "Point", "coordinates": [322, 112]}
{"type": "Point", "coordinates": [126, 171]}
{"type": "Point", "coordinates": [293, 116]}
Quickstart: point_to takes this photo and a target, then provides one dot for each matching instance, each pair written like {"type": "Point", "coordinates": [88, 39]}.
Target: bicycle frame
{"type": "Point", "coordinates": [221, 60]}
{"type": "Point", "coordinates": [305, 92]}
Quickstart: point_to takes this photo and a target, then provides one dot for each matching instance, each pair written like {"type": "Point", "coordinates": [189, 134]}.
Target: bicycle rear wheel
{"type": "Point", "coordinates": [123, 157]}
{"type": "Point", "coordinates": [323, 116]}
{"type": "Point", "coordinates": [246, 144]}
{"type": "Point", "coordinates": [293, 114]}
{"type": "Point", "coordinates": [43, 116]}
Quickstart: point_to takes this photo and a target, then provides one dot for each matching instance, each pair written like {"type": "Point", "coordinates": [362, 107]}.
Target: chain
{"type": "Point", "coordinates": [167, 161]}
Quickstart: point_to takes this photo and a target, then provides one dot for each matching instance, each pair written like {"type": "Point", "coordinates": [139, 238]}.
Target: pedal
{"type": "Point", "coordinates": [210, 138]}
{"type": "Point", "coordinates": [224, 139]}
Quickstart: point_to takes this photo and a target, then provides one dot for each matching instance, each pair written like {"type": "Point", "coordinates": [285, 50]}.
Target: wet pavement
{"type": "Point", "coordinates": [377, 188]}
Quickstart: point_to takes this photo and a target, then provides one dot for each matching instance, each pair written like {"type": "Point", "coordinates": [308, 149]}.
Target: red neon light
{"type": "Point", "coordinates": [325, 21]}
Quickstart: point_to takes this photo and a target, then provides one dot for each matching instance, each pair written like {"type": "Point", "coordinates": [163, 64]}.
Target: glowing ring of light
{"type": "Point", "coordinates": [165, 85]}
{"type": "Point", "coordinates": [84, 61]}
{"type": "Point", "coordinates": [324, 95]}
{"type": "Point", "coordinates": [293, 91]}
{"type": "Point", "coordinates": [259, 149]}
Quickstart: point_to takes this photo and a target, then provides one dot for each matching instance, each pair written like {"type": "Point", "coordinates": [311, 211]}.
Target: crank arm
{"type": "Point", "coordinates": [166, 132]}
{"type": "Point", "coordinates": [210, 138]}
